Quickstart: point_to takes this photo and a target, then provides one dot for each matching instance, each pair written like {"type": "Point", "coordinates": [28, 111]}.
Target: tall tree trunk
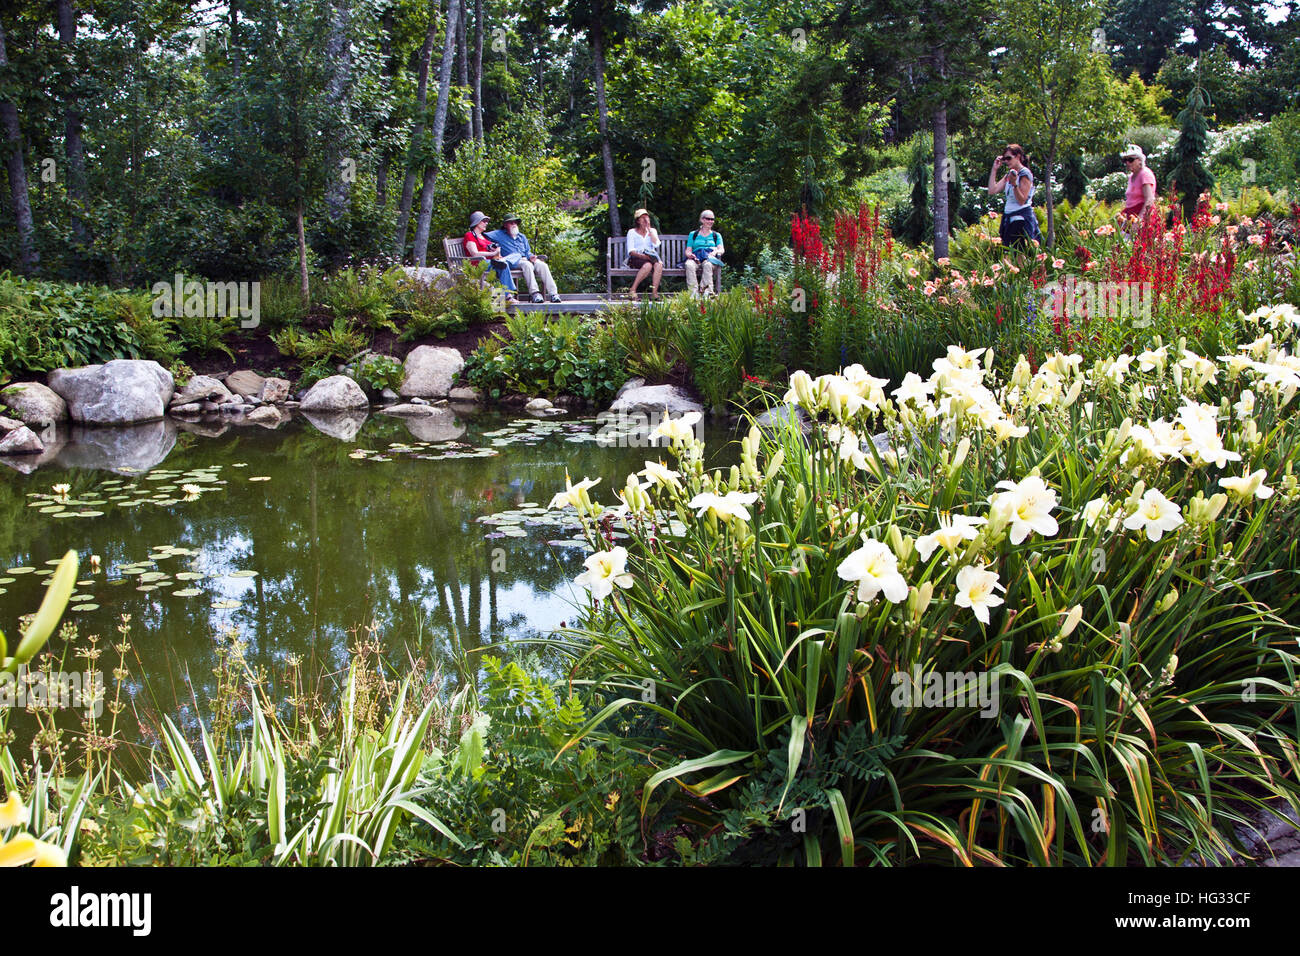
{"type": "Point", "coordinates": [941, 212]}
{"type": "Point", "coordinates": [302, 253]}
{"type": "Point", "coordinates": [390, 74]}
{"type": "Point", "coordinates": [462, 57]}
{"type": "Point", "coordinates": [478, 70]}
{"type": "Point", "coordinates": [28, 257]}
{"type": "Point", "coordinates": [73, 146]}
{"type": "Point", "coordinates": [1050, 238]}
{"type": "Point", "coordinates": [421, 249]}
{"type": "Point", "coordinates": [338, 96]}
{"type": "Point", "coordinates": [417, 134]}
{"type": "Point", "coordinates": [602, 121]}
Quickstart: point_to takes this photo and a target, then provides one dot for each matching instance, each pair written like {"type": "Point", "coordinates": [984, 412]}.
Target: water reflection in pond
{"type": "Point", "coordinates": [296, 536]}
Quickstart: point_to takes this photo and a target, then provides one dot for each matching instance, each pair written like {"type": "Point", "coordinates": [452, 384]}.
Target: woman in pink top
{"type": "Point", "coordinates": [1140, 197]}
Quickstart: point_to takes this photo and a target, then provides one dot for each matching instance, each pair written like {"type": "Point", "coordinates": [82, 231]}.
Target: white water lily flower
{"type": "Point", "coordinates": [573, 494]}
{"type": "Point", "coordinates": [874, 567]}
{"type": "Point", "coordinates": [724, 507]}
{"type": "Point", "coordinates": [1027, 505]}
{"type": "Point", "coordinates": [660, 474]}
{"type": "Point", "coordinates": [977, 589]}
{"type": "Point", "coordinates": [952, 531]}
{"type": "Point", "coordinates": [1247, 486]}
{"type": "Point", "coordinates": [676, 429]}
{"type": "Point", "coordinates": [62, 490]}
{"type": "Point", "coordinates": [604, 570]}
{"type": "Point", "coordinates": [1155, 515]}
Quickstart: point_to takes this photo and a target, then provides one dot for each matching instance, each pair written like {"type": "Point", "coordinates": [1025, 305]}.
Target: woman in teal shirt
{"type": "Point", "coordinates": [704, 251]}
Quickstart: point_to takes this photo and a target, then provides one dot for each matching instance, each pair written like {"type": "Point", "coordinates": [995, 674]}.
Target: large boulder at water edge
{"type": "Point", "coordinates": [120, 392]}
{"type": "Point", "coordinates": [34, 404]}
{"type": "Point", "coordinates": [338, 393]}
{"type": "Point", "coordinates": [430, 371]}
{"type": "Point", "coordinates": [656, 398]}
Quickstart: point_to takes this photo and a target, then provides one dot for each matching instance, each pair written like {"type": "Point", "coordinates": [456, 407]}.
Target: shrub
{"type": "Point", "coordinates": [538, 356]}
{"type": "Point", "coordinates": [48, 325]}
{"type": "Point", "coordinates": [363, 295]}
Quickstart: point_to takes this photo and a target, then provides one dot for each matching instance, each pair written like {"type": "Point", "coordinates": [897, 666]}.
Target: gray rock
{"type": "Point", "coordinates": [233, 408]}
{"type": "Point", "coordinates": [35, 404]}
{"type": "Point", "coordinates": [407, 411]}
{"type": "Point", "coordinates": [538, 405]}
{"type": "Point", "coordinates": [656, 398]}
{"type": "Point", "coordinates": [266, 415]}
{"type": "Point", "coordinates": [341, 425]}
{"type": "Point", "coordinates": [123, 450]}
{"type": "Point", "coordinates": [27, 464]}
{"type": "Point", "coordinates": [465, 394]}
{"type": "Point", "coordinates": [417, 400]}
{"type": "Point", "coordinates": [427, 275]}
{"type": "Point", "coordinates": [776, 418]}
{"type": "Point", "coordinates": [8, 425]}
{"type": "Point", "coordinates": [209, 407]}
{"type": "Point", "coordinates": [193, 408]}
{"type": "Point", "coordinates": [274, 391]}
{"type": "Point", "coordinates": [430, 371]}
{"type": "Point", "coordinates": [21, 441]}
{"type": "Point", "coordinates": [389, 395]}
{"type": "Point", "coordinates": [245, 382]}
{"type": "Point", "coordinates": [338, 393]}
{"type": "Point", "coordinates": [201, 388]}
{"type": "Point", "coordinates": [120, 392]}
{"type": "Point", "coordinates": [630, 384]}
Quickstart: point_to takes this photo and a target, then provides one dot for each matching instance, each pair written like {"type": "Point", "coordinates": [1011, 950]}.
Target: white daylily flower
{"type": "Point", "coordinates": [604, 570]}
{"type": "Point", "coordinates": [1155, 515]}
{"type": "Point", "coordinates": [874, 567]}
{"type": "Point", "coordinates": [977, 589]}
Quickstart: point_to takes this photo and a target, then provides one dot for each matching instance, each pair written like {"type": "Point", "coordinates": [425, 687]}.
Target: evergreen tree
{"type": "Point", "coordinates": [1189, 174]}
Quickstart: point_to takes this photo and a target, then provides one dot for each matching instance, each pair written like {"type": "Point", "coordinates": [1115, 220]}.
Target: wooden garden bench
{"type": "Point", "coordinates": [672, 250]}
{"type": "Point", "coordinates": [454, 250]}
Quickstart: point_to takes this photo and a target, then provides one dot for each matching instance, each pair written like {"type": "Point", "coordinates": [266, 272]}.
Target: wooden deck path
{"type": "Point", "coordinates": [581, 303]}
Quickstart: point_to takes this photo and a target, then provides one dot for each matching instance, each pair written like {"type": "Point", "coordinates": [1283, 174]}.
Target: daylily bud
{"type": "Point", "coordinates": [1072, 618]}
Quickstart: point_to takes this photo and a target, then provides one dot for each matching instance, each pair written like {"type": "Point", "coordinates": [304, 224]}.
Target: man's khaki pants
{"type": "Point", "coordinates": [534, 271]}
{"type": "Point", "coordinates": [697, 271]}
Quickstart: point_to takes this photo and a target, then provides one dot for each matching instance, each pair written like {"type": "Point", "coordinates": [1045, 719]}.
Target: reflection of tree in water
{"type": "Point", "coordinates": [337, 544]}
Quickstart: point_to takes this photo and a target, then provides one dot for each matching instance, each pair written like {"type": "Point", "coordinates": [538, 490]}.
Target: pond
{"type": "Point", "coordinates": [432, 529]}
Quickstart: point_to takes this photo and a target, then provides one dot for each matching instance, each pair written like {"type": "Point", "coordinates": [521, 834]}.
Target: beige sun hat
{"type": "Point", "coordinates": [1131, 150]}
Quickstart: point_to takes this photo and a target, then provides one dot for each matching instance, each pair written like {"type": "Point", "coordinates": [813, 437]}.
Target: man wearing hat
{"type": "Point", "coordinates": [516, 251]}
{"type": "Point", "coordinates": [1140, 197]}
{"type": "Point", "coordinates": [479, 245]}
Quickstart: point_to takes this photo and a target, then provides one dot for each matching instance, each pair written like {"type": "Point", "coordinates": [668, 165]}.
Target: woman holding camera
{"type": "Point", "coordinates": [1019, 224]}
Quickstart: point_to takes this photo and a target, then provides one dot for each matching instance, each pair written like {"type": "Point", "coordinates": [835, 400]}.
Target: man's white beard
{"type": "Point", "coordinates": [512, 231]}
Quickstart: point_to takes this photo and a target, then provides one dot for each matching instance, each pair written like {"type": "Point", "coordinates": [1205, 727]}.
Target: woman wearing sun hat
{"type": "Point", "coordinates": [643, 253]}
{"type": "Point", "coordinates": [1140, 197]}
{"type": "Point", "coordinates": [479, 246]}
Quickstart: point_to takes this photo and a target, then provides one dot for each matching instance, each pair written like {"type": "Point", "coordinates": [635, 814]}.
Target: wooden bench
{"type": "Point", "coordinates": [454, 250]}
{"type": "Point", "coordinates": [672, 251]}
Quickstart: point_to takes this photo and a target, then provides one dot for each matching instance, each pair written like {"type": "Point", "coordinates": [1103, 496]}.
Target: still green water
{"type": "Point", "coordinates": [296, 537]}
